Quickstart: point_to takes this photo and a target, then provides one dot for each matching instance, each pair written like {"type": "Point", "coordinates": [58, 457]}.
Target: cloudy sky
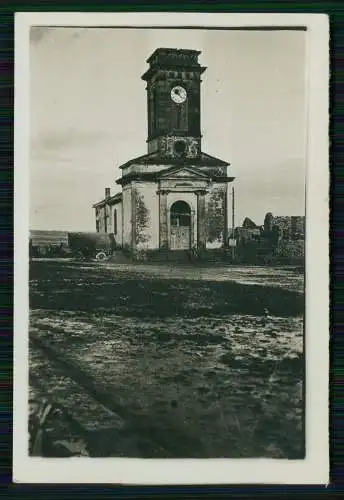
{"type": "Point", "coordinates": [88, 115]}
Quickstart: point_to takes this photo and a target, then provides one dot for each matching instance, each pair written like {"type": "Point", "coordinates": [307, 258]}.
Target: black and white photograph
{"type": "Point", "coordinates": [169, 239]}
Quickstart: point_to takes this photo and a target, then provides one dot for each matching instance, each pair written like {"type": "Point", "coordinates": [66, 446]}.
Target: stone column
{"type": "Point", "coordinates": [168, 229]}
{"type": "Point", "coordinates": [201, 229]}
{"type": "Point", "coordinates": [192, 229]}
{"type": "Point", "coordinates": [225, 229]}
{"type": "Point", "coordinates": [163, 219]}
{"type": "Point", "coordinates": [133, 218]}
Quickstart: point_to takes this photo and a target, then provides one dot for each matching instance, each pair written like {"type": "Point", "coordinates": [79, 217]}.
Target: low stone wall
{"type": "Point", "coordinates": [264, 253]}
{"type": "Point", "coordinates": [294, 248]}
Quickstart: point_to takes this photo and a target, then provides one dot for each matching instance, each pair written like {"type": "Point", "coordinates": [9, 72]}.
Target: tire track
{"type": "Point", "coordinates": [152, 439]}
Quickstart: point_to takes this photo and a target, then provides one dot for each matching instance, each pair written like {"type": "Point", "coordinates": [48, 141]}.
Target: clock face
{"type": "Point", "coordinates": [178, 94]}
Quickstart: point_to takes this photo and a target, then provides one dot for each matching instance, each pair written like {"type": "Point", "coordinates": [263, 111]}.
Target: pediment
{"type": "Point", "coordinates": [184, 173]}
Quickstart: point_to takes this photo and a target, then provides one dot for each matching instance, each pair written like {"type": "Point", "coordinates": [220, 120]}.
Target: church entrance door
{"type": "Point", "coordinates": [180, 226]}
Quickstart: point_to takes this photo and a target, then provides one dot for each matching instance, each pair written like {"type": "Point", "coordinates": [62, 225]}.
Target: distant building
{"type": "Point", "coordinates": [175, 196]}
{"type": "Point", "coordinates": [292, 227]}
{"type": "Point", "coordinates": [247, 233]}
{"type": "Point", "coordinates": [108, 214]}
{"type": "Point", "coordinates": [280, 235]}
{"type": "Point", "coordinates": [41, 238]}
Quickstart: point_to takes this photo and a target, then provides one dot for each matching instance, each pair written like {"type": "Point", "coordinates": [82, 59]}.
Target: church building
{"type": "Point", "coordinates": [175, 196]}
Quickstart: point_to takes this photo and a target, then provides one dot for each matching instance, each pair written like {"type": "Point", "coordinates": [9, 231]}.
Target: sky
{"type": "Point", "coordinates": [88, 116]}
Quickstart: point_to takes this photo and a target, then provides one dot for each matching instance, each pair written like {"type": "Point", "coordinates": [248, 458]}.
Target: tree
{"type": "Point", "coordinates": [268, 221]}
{"type": "Point", "coordinates": [276, 235]}
{"type": "Point", "coordinates": [142, 217]}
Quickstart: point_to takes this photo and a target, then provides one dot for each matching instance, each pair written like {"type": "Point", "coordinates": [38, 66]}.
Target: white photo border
{"type": "Point", "coordinates": [314, 469]}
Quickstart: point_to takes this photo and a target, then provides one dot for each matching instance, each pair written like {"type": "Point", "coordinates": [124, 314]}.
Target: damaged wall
{"type": "Point", "coordinates": [146, 215]}
{"type": "Point", "coordinates": [216, 217]}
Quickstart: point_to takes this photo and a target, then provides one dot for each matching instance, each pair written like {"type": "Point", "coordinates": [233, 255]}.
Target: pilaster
{"type": "Point", "coordinates": [201, 230]}
{"type": "Point", "coordinates": [163, 219]}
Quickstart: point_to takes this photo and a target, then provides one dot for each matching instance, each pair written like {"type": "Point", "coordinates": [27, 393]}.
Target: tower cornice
{"type": "Point", "coordinates": [187, 69]}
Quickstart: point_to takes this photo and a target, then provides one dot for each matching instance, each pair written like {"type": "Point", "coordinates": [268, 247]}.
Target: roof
{"type": "Point", "coordinates": [166, 51]}
{"type": "Point", "coordinates": [167, 58]}
{"type": "Point", "coordinates": [182, 171]}
{"type": "Point", "coordinates": [204, 160]}
{"type": "Point", "coordinates": [173, 173]}
{"type": "Point", "coordinates": [112, 200]}
{"type": "Point", "coordinates": [100, 237]}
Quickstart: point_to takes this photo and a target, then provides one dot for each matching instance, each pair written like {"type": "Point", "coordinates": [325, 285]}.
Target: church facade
{"type": "Point", "coordinates": [175, 196]}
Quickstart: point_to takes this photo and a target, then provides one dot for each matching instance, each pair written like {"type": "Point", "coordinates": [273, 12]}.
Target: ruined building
{"type": "Point", "coordinates": [174, 197]}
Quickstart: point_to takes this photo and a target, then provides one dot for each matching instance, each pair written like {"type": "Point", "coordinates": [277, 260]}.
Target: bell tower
{"type": "Point", "coordinates": [173, 103]}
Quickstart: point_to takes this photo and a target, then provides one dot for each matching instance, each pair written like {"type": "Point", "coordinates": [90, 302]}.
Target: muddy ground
{"type": "Point", "coordinates": [162, 361]}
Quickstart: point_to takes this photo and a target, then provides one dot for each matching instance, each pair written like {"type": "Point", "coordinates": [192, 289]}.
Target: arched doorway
{"type": "Point", "coordinates": [180, 225]}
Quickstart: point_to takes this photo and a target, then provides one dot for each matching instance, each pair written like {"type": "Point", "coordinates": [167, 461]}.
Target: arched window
{"type": "Point", "coordinates": [115, 221]}
{"type": "Point", "coordinates": [180, 214]}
